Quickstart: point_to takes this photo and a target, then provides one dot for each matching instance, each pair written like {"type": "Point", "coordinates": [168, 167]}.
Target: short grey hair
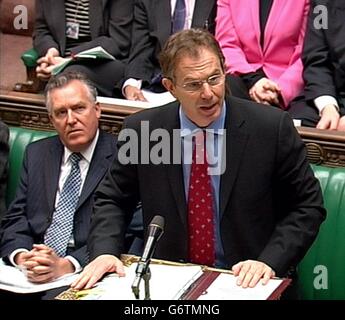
{"type": "Point", "coordinates": [62, 80]}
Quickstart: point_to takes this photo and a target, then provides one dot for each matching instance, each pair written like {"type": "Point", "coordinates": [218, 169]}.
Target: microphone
{"type": "Point", "coordinates": [155, 231]}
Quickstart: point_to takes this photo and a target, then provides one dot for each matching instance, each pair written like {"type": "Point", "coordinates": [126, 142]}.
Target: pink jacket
{"type": "Point", "coordinates": [238, 32]}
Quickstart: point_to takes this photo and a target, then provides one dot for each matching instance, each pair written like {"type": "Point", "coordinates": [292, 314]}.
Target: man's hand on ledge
{"type": "Point", "coordinates": [95, 270]}
{"type": "Point", "coordinates": [329, 118]}
{"type": "Point", "coordinates": [250, 272]}
{"type": "Point", "coordinates": [133, 93]}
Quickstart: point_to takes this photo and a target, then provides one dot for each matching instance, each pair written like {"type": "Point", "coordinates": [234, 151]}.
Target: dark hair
{"type": "Point", "coordinates": [189, 42]}
{"type": "Point", "coordinates": [63, 79]}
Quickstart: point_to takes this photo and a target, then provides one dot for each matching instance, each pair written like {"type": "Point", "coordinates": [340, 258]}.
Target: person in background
{"type": "Point", "coordinates": [256, 210]}
{"type": "Point", "coordinates": [322, 104]}
{"type": "Point", "coordinates": [4, 149]}
{"type": "Point", "coordinates": [47, 224]}
{"type": "Point", "coordinates": [154, 21]}
{"type": "Point", "coordinates": [65, 28]}
{"type": "Point", "coordinates": [262, 42]}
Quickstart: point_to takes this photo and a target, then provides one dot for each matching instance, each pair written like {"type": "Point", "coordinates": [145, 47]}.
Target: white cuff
{"type": "Point", "coordinates": [76, 264]}
{"type": "Point", "coordinates": [131, 82]}
{"type": "Point", "coordinates": [322, 101]}
{"type": "Point", "coordinates": [13, 254]}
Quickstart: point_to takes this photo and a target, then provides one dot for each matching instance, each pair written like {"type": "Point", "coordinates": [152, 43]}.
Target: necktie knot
{"type": "Point", "coordinates": [75, 157]}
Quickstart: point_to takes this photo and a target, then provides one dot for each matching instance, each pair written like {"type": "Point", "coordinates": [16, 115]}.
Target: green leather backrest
{"type": "Point", "coordinates": [322, 271]}
{"type": "Point", "coordinates": [19, 139]}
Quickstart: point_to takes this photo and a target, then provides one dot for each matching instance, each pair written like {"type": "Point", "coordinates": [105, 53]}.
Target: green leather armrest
{"type": "Point", "coordinates": [19, 139]}
{"type": "Point", "coordinates": [30, 57]}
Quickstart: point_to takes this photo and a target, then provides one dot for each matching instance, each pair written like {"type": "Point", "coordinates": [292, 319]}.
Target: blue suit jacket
{"type": "Point", "coordinates": [31, 212]}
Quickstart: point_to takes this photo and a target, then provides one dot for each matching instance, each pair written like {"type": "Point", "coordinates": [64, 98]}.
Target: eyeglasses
{"type": "Point", "coordinates": [196, 85]}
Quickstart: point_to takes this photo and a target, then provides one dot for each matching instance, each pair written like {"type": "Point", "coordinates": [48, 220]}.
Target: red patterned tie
{"type": "Point", "coordinates": [200, 207]}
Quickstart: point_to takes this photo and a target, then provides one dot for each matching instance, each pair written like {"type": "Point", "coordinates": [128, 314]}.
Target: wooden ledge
{"type": "Point", "coordinates": [324, 147]}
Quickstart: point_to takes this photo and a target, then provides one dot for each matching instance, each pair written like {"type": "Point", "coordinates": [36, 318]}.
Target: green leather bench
{"type": "Point", "coordinates": [322, 271]}
{"type": "Point", "coordinates": [19, 139]}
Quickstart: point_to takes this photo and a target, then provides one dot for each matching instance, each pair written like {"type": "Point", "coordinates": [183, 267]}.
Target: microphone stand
{"type": "Point", "coordinates": [136, 283]}
{"type": "Point", "coordinates": [147, 277]}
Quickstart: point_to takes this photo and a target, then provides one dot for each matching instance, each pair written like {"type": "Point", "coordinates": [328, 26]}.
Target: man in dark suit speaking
{"type": "Point", "coordinates": [47, 224]}
{"type": "Point", "coordinates": [250, 203]}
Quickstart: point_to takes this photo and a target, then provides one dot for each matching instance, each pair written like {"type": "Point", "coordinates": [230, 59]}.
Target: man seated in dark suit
{"type": "Point", "coordinates": [4, 148]}
{"type": "Point", "coordinates": [153, 22]}
{"type": "Point", "coordinates": [256, 208]}
{"type": "Point", "coordinates": [47, 224]}
{"type": "Point", "coordinates": [66, 27]}
{"type": "Point", "coordinates": [323, 103]}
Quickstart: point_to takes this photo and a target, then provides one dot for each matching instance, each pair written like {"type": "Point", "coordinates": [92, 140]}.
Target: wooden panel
{"type": "Point", "coordinates": [324, 147]}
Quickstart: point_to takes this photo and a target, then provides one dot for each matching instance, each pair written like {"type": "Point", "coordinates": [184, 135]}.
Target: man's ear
{"type": "Point", "coordinates": [169, 85]}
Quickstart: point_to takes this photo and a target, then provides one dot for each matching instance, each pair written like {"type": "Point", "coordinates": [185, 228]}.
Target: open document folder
{"type": "Point", "coordinates": [14, 280]}
{"type": "Point", "coordinates": [178, 282]}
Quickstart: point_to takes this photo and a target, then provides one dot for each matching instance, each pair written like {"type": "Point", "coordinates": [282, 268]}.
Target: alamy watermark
{"type": "Point", "coordinates": [321, 19]}
{"type": "Point", "coordinates": [160, 146]}
{"type": "Point", "coordinates": [20, 21]}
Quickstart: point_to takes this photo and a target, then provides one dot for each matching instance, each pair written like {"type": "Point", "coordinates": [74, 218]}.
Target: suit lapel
{"type": "Point", "coordinates": [175, 171]}
{"type": "Point", "coordinates": [236, 140]}
{"type": "Point", "coordinates": [99, 164]}
{"type": "Point", "coordinates": [52, 172]}
{"type": "Point", "coordinates": [163, 14]}
{"type": "Point", "coordinates": [58, 22]}
{"type": "Point", "coordinates": [201, 13]}
{"type": "Point", "coordinates": [255, 18]}
{"type": "Point", "coordinates": [95, 16]}
{"type": "Point", "coordinates": [277, 9]}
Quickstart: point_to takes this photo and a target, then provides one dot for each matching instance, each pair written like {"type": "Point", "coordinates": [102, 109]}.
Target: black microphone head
{"type": "Point", "coordinates": [156, 227]}
{"type": "Point", "coordinates": [158, 221]}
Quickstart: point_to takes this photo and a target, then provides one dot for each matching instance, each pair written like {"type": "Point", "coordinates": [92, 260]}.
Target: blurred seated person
{"type": "Point", "coordinates": [262, 42]}
{"type": "Point", "coordinates": [323, 103]}
{"type": "Point", "coordinates": [47, 225]}
{"type": "Point", "coordinates": [4, 148]}
{"type": "Point", "coordinates": [154, 22]}
{"type": "Point", "coordinates": [64, 28]}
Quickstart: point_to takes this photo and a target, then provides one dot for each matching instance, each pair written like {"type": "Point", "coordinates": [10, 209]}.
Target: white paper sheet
{"type": "Point", "coordinates": [13, 279]}
{"type": "Point", "coordinates": [167, 283]}
{"type": "Point", "coordinates": [224, 287]}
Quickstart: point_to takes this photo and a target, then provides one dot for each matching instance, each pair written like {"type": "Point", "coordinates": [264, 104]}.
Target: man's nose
{"type": "Point", "coordinates": [206, 91]}
{"type": "Point", "coordinates": [70, 116]}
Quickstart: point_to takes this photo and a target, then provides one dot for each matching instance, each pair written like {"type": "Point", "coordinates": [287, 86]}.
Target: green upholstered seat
{"type": "Point", "coordinates": [322, 271]}
{"type": "Point", "coordinates": [19, 139]}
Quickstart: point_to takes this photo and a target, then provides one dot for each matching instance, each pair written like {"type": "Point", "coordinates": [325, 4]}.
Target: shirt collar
{"type": "Point", "coordinates": [187, 126]}
{"type": "Point", "coordinates": [87, 153]}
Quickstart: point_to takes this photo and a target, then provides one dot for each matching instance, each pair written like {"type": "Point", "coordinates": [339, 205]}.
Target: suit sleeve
{"type": "Point", "coordinates": [15, 227]}
{"type": "Point", "coordinates": [318, 71]}
{"type": "Point", "coordinates": [4, 149]}
{"type": "Point", "coordinates": [298, 199]}
{"type": "Point", "coordinates": [42, 37]}
{"type": "Point", "coordinates": [140, 65]}
{"type": "Point", "coordinates": [115, 200]}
